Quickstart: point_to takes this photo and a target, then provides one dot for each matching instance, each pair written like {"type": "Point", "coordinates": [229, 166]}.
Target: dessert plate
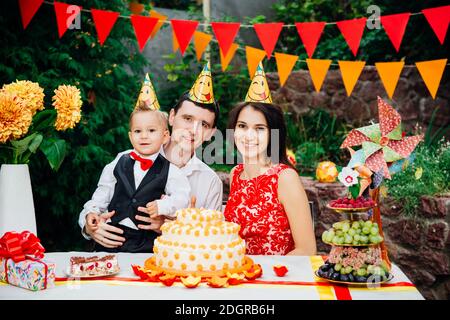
{"type": "Point", "coordinates": [100, 275]}
{"type": "Point", "coordinates": [357, 284]}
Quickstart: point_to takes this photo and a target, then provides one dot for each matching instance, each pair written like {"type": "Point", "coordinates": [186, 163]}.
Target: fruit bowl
{"type": "Point", "coordinates": [352, 245]}
{"type": "Point", "coordinates": [350, 210]}
{"type": "Point", "coordinates": [357, 284]}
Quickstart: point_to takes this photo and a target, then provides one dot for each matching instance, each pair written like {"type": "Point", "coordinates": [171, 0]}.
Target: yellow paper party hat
{"type": "Point", "coordinates": [147, 97]}
{"type": "Point", "coordinates": [259, 89]}
{"type": "Point", "coordinates": [202, 90]}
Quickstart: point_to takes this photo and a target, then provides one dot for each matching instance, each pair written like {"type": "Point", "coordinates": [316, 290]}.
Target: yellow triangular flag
{"type": "Point", "coordinates": [285, 63]}
{"type": "Point", "coordinates": [350, 71]}
{"type": "Point", "coordinates": [389, 73]}
{"type": "Point", "coordinates": [318, 69]}
{"type": "Point", "coordinates": [175, 45]}
{"type": "Point", "coordinates": [431, 72]}
{"type": "Point", "coordinates": [254, 57]}
{"type": "Point", "coordinates": [158, 25]}
{"type": "Point", "coordinates": [201, 41]}
{"type": "Point", "coordinates": [225, 61]}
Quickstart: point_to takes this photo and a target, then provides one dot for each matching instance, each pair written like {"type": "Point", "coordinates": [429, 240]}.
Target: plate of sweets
{"type": "Point", "coordinates": [93, 267]}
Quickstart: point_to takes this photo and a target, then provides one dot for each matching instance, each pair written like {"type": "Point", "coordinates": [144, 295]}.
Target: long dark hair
{"type": "Point", "coordinates": [275, 120]}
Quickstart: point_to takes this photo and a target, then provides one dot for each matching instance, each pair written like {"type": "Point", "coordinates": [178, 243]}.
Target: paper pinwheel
{"type": "Point", "coordinates": [382, 143]}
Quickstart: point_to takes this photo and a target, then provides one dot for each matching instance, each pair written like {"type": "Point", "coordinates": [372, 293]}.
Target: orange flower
{"type": "Point", "coordinates": [67, 102]}
{"type": "Point", "coordinates": [191, 281]}
{"type": "Point", "coordinates": [30, 92]}
{"type": "Point", "coordinates": [235, 278]}
{"type": "Point", "coordinates": [168, 279]}
{"type": "Point", "coordinates": [280, 271]}
{"type": "Point", "coordinates": [15, 118]}
{"type": "Point", "coordinates": [218, 282]}
{"type": "Point", "coordinates": [254, 272]}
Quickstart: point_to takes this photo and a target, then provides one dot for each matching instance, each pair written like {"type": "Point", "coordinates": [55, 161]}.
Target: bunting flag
{"type": "Point", "coordinates": [184, 30]}
{"type": "Point", "coordinates": [285, 63]}
{"type": "Point", "coordinates": [310, 33]}
{"type": "Point", "coordinates": [389, 74]}
{"type": "Point", "coordinates": [201, 41]}
{"type": "Point", "coordinates": [28, 9]}
{"type": "Point", "coordinates": [318, 70]}
{"type": "Point", "coordinates": [225, 60]}
{"type": "Point", "coordinates": [225, 33]}
{"type": "Point", "coordinates": [395, 26]}
{"type": "Point", "coordinates": [268, 34]}
{"type": "Point", "coordinates": [161, 18]}
{"type": "Point", "coordinates": [254, 57]}
{"type": "Point", "coordinates": [65, 17]}
{"type": "Point", "coordinates": [143, 27]}
{"type": "Point", "coordinates": [175, 45]}
{"type": "Point", "coordinates": [104, 21]}
{"type": "Point", "coordinates": [352, 30]}
{"type": "Point", "coordinates": [350, 71]}
{"type": "Point", "coordinates": [438, 18]}
{"type": "Point", "coordinates": [431, 72]}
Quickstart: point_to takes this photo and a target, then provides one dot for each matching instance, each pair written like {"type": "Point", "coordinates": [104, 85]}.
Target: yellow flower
{"type": "Point", "coordinates": [67, 102]}
{"type": "Point", "coordinates": [30, 92]}
{"type": "Point", "coordinates": [15, 117]}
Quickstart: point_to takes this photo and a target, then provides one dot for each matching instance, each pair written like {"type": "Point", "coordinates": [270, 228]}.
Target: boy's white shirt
{"type": "Point", "coordinates": [177, 191]}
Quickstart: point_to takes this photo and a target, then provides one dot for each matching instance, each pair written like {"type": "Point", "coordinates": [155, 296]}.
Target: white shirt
{"type": "Point", "coordinates": [205, 184]}
{"type": "Point", "coordinates": [177, 191]}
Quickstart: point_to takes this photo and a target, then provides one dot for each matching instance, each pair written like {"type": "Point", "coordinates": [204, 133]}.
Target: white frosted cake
{"type": "Point", "coordinates": [199, 241]}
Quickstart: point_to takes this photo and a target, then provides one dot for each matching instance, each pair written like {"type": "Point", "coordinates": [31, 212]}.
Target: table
{"type": "Point", "coordinates": [298, 284]}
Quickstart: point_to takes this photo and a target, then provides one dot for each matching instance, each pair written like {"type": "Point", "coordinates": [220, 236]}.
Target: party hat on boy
{"type": "Point", "coordinates": [202, 90]}
{"type": "Point", "coordinates": [259, 88]}
{"type": "Point", "coordinates": [147, 97]}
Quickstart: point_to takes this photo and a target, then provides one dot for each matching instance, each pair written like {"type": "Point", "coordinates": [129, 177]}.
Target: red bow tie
{"type": "Point", "coordinates": [145, 163]}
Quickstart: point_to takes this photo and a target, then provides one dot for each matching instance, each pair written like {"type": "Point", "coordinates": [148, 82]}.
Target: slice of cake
{"type": "Point", "coordinates": [200, 242]}
{"type": "Point", "coordinates": [93, 266]}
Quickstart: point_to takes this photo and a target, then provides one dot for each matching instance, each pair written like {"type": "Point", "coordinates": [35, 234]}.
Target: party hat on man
{"type": "Point", "coordinates": [147, 97]}
{"type": "Point", "coordinates": [259, 88]}
{"type": "Point", "coordinates": [202, 90]}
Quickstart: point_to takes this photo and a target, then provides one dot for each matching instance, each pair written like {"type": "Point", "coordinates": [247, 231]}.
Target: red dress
{"type": "Point", "coordinates": [254, 205]}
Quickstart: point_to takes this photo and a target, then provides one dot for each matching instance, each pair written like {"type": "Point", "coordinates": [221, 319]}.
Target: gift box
{"type": "Point", "coordinates": [22, 263]}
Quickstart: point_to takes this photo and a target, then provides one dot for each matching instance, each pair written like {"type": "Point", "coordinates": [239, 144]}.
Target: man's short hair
{"type": "Point", "coordinates": [213, 107]}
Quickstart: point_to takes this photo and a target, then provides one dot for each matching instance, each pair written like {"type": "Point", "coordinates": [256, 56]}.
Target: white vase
{"type": "Point", "coordinates": [16, 199]}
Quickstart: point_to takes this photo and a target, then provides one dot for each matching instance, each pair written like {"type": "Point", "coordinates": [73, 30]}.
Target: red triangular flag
{"type": "Point", "coordinates": [143, 27]}
{"type": "Point", "coordinates": [310, 33]}
{"type": "Point", "coordinates": [438, 18]}
{"type": "Point", "coordinates": [395, 25]}
{"type": "Point", "coordinates": [28, 9]}
{"type": "Point", "coordinates": [184, 30]}
{"type": "Point", "coordinates": [104, 21]}
{"type": "Point", "coordinates": [268, 35]}
{"type": "Point", "coordinates": [225, 33]}
{"type": "Point", "coordinates": [65, 16]}
{"type": "Point", "coordinates": [352, 30]}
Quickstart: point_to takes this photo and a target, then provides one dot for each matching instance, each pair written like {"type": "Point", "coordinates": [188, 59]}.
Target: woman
{"type": "Point", "coordinates": [267, 198]}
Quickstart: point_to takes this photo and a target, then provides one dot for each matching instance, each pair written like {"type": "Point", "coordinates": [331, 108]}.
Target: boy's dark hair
{"type": "Point", "coordinates": [275, 120]}
{"type": "Point", "coordinates": [213, 107]}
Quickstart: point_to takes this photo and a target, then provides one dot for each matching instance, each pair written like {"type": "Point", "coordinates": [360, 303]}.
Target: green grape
{"type": "Point", "coordinates": [337, 225]}
{"type": "Point", "coordinates": [343, 271]}
{"type": "Point", "coordinates": [364, 239]}
{"type": "Point", "coordinates": [337, 266]}
{"type": "Point", "coordinates": [340, 240]}
{"type": "Point", "coordinates": [335, 240]}
{"type": "Point", "coordinates": [374, 231]}
{"type": "Point", "coordinates": [355, 225]}
{"type": "Point", "coordinates": [366, 230]}
{"type": "Point", "coordinates": [351, 232]}
{"type": "Point", "coordinates": [324, 236]}
{"type": "Point", "coordinates": [361, 272]}
{"type": "Point", "coordinates": [361, 223]}
{"type": "Point", "coordinates": [356, 237]}
{"type": "Point", "coordinates": [368, 223]}
{"type": "Point", "coordinates": [339, 233]}
{"type": "Point", "coordinates": [355, 243]}
{"type": "Point", "coordinates": [358, 231]}
{"type": "Point", "coordinates": [348, 239]}
{"type": "Point", "coordinates": [348, 269]}
{"type": "Point", "coordinates": [329, 238]}
{"type": "Point", "coordinates": [370, 269]}
{"type": "Point", "coordinates": [331, 233]}
{"type": "Point", "coordinates": [373, 239]}
{"type": "Point", "coordinates": [345, 227]}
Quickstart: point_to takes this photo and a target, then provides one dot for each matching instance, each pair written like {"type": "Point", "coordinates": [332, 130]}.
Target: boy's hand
{"type": "Point", "coordinates": [92, 221]}
{"type": "Point", "coordinates": [101, 232]}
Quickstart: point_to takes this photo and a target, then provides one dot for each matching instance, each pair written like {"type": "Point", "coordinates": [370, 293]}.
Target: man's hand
{"type": "Point", "coordinates": [103, 233]}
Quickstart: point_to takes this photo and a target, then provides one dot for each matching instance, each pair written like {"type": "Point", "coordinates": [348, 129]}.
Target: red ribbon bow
{"type": "Point", "coordinates": [145, 163]}
{"type": "Point", "coordinates": [18, 246]}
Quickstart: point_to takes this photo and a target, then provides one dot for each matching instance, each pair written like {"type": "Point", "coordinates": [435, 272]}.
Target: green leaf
{"type": "Point", "coordinates": [55, 151]}
{"type": "Point", "coordinates": [20, 146]}
{"type": "Point", "coordinates": [354, 190]}
{"type": "Point", "coordinates": [34, 145]}
{"type": "Point", "coordinates": [44, 120]}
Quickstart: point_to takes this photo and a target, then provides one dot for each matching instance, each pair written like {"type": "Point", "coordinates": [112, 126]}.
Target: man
{"type": "Point", "coordinates": [193, 121]}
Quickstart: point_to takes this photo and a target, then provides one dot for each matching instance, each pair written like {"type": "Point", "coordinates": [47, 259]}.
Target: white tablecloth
{"type": "Point", "coordinates": [300, 270]}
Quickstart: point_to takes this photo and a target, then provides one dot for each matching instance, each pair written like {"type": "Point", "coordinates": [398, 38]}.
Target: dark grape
{"type": "Point", "coordinates": [344, 277]}
{"type": "Point", "coordinates": [351, 278]}
{"type": "Point", "coordinates": [335, 276]}
{"type": "Point", "coordinates": [360, 279]}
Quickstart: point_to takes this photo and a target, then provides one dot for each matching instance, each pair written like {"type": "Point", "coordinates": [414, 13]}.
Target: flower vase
{"type": "Point", "coordinates": [16, 199]}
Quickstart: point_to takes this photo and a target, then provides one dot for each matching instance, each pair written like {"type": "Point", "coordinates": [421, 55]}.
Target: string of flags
{"type": "Point", "coordinates": [146, 28]}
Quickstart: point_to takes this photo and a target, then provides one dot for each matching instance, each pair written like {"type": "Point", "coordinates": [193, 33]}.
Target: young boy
{"type": "Point", "coordinates": [137, 179]}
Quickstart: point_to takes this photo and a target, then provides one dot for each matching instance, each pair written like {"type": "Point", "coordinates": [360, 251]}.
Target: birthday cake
{"type": "Point", "coordinates": [93, 266]}
{"type": "Point", "coordinates": [199, 242]}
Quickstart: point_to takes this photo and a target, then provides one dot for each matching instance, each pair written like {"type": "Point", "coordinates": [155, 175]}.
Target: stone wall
{"type": "Point", "coordinates": [420, 246]}
{"type": "Point", "coordinates": [411, 97]}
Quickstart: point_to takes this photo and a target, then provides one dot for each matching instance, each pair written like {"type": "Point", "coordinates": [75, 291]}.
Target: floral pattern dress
{"type": "Point", "coordinates": [254, 205]}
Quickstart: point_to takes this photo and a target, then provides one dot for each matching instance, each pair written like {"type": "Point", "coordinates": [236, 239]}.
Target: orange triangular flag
{"type": "Point", "coordinates": [175, 45]}
{"type": "Point", "coordinates": [225, 61]}
{"type": "Point", "coordinates": [389, 73]}
{"type": "Point", "coordinates": [159, 24]}
{"type": "Point", "coordinates": [350, 71]}
{"type": "Point", "coordinates": [318, 69]}
{"type": "Point", "coordinates": [285, 63]}
{"type": "Point", "coordinates": [431, 72]}
{"type": "Point", "coordinates": [254, 57]}
{"type": "Point", "coordinates": [201, 41]}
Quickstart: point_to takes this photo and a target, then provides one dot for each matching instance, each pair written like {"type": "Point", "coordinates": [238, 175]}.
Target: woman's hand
{"type": "Point", "coordinates": [103, 233]}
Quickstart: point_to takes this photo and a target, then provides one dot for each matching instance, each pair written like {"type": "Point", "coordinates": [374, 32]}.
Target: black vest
{"type": "Point", "coordinates": [127, 198]}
